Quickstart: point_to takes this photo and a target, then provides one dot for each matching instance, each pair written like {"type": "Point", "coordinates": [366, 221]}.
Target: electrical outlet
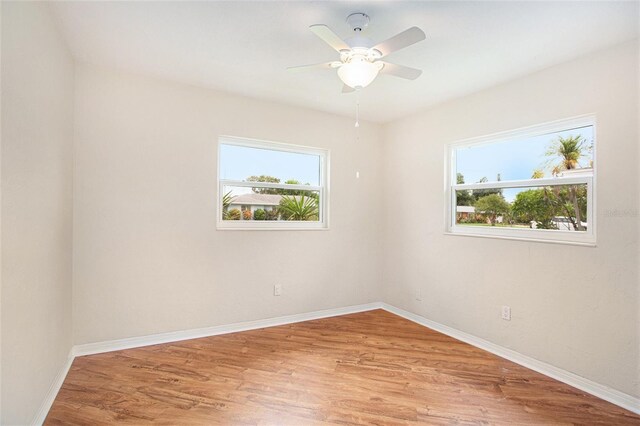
{"type": "Point", "coordinates": [277, 289]}
{"type": "Point", "coordinates": [506, 313]}
{"type": "Point", "coordinates": [357, 175]}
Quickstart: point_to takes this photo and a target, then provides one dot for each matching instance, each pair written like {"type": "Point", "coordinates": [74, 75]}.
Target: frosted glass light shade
{"type": "Point", "coordinates": [358, 73]}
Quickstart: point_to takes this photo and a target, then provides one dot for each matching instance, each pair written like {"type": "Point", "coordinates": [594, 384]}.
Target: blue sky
{"type": "Point", "coordinates": [240, 162]}
{"type": "Point", "coordinates": [514, 159]}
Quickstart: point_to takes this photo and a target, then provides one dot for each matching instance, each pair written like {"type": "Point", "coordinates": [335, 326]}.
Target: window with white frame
{"type": "Point", "coordinates": [269, 185]}
{"type": "Point", "coordinates": [535, 184]}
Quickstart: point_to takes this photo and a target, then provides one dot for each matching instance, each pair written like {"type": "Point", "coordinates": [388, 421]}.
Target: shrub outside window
{"type": "Point", "coordinates": [536, 183]}
{"type": "Point", "coordinates": [269, 185]}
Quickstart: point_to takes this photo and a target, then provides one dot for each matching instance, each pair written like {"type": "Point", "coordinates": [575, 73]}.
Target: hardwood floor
{"type": "Point", "coordinates": [366, 368]}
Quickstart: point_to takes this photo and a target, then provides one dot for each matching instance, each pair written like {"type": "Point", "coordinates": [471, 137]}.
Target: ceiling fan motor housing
{"type": "Point", "coordinates": [358, 22]}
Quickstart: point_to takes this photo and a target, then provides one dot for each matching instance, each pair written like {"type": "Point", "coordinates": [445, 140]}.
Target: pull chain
{"type": "Point", "coordinates": [357, 125]}
{"type": "Point", "coordinates": [357, 108]}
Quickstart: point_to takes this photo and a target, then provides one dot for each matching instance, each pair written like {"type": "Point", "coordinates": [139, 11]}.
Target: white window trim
{"type": "Point", "coordinates": [284, 225]}
{"type": "Point", "coordinates": [587, 238]}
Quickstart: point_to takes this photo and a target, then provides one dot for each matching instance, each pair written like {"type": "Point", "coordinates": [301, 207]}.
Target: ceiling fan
{"type": "Point", "coordinates": [360, 62]}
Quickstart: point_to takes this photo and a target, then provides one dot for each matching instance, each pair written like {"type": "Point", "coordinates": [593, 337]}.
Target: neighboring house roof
{"type": "Point", "coordinates": [465, 209]}
{"type": "Point", "coordinates": [254, 199]}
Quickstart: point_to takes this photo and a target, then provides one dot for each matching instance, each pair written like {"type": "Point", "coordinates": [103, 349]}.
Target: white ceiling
{"type": "Point", "coordinates": [244, 47]}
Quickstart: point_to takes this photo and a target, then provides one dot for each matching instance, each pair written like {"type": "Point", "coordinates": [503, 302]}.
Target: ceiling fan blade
{"type": "Point", "coordinates": [323, 66]}
{"type": "Point", "coordinates": [329, 37]}
{"type": "Point", "coordinates": [347, 89]}
{"type": "Point", "coordinates": [400, 71]}
{"type": "Point", "coordinates": [400, 41]}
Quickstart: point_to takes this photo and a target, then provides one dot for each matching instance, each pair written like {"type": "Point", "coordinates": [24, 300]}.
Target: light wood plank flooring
{"type": "Point", "coordinates": [366, 368]}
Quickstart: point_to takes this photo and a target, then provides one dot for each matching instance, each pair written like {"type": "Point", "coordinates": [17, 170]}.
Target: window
{"type": "Point", "coordinates": [534, 184]}
{"type": "Point", "coordinates": [268, 185]}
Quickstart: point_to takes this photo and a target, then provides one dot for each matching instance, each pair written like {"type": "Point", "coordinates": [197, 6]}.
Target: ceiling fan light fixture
{"type": "Point", "coordinates": [359, 72]}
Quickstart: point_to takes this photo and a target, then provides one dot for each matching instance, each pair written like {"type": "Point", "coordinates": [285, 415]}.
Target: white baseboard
{"type": "Point", "coordinates": [176, 336]}
{"type": "Point", "coordinates": [154, 339]}
{"type": "Point", "coordinates": [608, 394]}
{"type": "Point", "coordinates": [603, 392]}
{"type": "Point", "coordinates": [41, 415]}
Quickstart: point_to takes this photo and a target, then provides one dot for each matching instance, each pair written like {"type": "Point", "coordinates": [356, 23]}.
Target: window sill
{"type": "Point", "coordinates": [532, 239]}
{"type": "Point", "coordinates": [272, 228]}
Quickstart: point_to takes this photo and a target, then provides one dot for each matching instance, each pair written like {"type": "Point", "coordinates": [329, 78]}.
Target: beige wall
{"type": "Point", "coordinates": [0, 212]}
{"type": "Point", "coordinates": [147, 255]}
{"type": "Point", "coordinates": [573, 307]}
{"type": "Point", "coordinates": [37, 162]}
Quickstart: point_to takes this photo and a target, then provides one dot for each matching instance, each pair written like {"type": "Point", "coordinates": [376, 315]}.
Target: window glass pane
{"type": "Point", "coordinates": [247, 163]}
{"type": "Point", "coordinates": [269, 204]}
{"type": "Point", "coordinates": [546, 155]}
{"type": "Point", "coordinates": [558, 207]}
